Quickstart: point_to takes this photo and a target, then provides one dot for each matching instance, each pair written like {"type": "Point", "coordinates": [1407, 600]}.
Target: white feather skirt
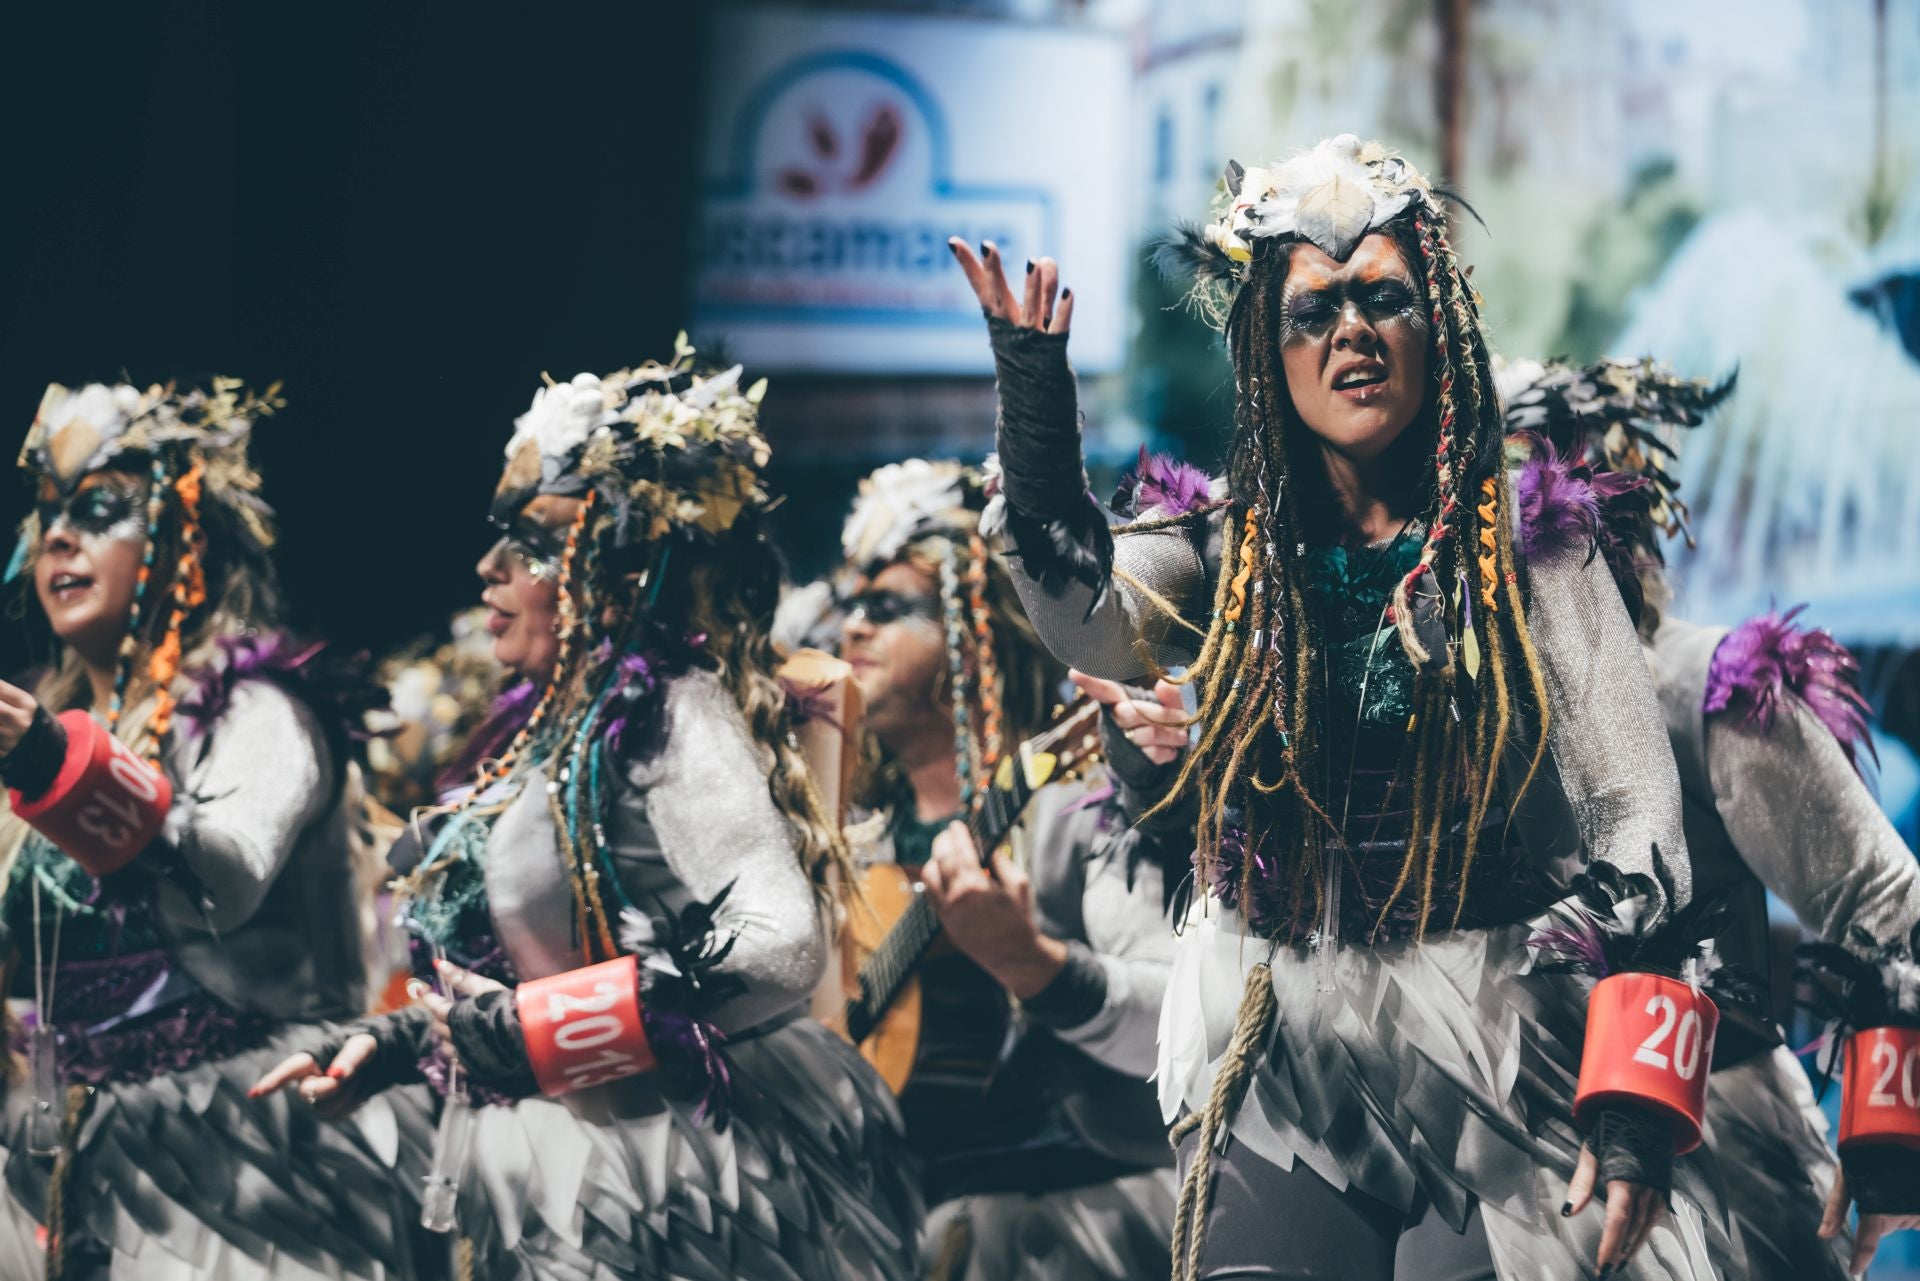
{"type": "Point", "coordinates": [1771, 1141]}
{"type": "Point", "coordinates": [184, 1178]}
{"type": "Point", "coordinates": [1434, 1072]}
{"type": "Point", "coordinates": [809, 1182]}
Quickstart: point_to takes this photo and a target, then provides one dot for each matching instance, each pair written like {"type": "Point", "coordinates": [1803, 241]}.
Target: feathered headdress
{"type": "Point", "coordinates": [902, 503]}
{"type": "Point", "coordinates": [667, 451]}
{"type": "Point", "coordinates": [1331, 196]}
{"type": "Point", "coordinates": [78, 431]}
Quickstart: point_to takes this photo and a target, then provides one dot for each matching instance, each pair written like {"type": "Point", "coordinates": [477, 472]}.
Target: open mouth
{"type": "Point", "coordinates": [1359, 377]}
{"type": "Point", "coordinates": [67, 586]}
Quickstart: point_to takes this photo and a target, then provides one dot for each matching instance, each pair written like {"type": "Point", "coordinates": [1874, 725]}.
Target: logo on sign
{"type": "Point", "coordinates": [839, 199]}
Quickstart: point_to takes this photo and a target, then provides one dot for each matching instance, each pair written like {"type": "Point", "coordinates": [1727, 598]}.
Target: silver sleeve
{"type": "Point", "coordinates": [1808, 827]}
{"type": "Point", "coordinates": [1606, 733]}
{"type": "Point", "coordinates": [258, 780]}
{"type": "Point", "coordinates": [1127, 634]}
{"type": "Point", "coordinates": [710, 808]}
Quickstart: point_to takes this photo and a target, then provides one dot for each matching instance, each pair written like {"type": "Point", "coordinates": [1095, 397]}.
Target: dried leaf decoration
{"type": "Point", "coordinates": [1335, 216]}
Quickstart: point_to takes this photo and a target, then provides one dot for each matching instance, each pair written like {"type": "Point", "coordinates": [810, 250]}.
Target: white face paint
{"type": "Point", "coordinates": [91, 548]}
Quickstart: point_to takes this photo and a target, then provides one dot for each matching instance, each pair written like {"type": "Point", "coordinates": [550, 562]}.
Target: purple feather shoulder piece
{"type": "Point", "coordinates": [334, 686]}
{"type": "Point", "coordinates": [1771, 656]}
{"type": "Point", "coordinates": [1565, 503]}
{"type": "Point", "coordinates": [1163, 485]}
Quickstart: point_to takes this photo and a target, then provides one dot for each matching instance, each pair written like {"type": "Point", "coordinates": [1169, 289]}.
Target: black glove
{"type": "Point", "coordinates": [493, 1050]}
{"type": "Point", "coordinates": [1884, 1178]}
{"type": "Point", "coordinates": [35, 760]}
{"type": "Point", "coordinates": [1633, 1145]}
{"type": "Point", "coordinates": [401, 1039]}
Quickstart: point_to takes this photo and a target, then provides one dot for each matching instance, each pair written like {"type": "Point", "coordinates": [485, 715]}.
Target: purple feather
{"type": "Point", "coordinates": [1564, 504]}
{"type": "Point", "coordinates": [334, 686]}
{"type": "Point", "coordinates": [1575, 942]}
{"type": "Point", "coordinates": [1163, 484]}
{"type": "Point", "coordinates": [636, 683]}
{"type": "Point", "coordinates": [1265, 913]}
{"type": "Point", "coordinates": [1769, 657]}
{"type": "Point", "coordinates": [511, 709]}
{"type": "Point", "coordinates": [692, 1049]}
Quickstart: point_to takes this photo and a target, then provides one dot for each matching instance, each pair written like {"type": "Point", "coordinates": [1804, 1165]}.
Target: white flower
{"type": "Point", "coordinates": [561, 417]}
{"type": "Point", "coordinates": [1341, 168]}
{"type": "Point", "coordinates": [896, 503]}
{"type": "Point", "coordinates": [106, 409]}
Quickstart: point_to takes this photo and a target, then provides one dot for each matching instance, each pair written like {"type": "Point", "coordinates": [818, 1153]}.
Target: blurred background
{"type": "Point", "coordinates": [408, 214]}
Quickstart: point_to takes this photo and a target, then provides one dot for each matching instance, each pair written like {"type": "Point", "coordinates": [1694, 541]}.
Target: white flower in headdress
{"type": "Point", "coordinates": [106, 409]}
{"type": "Point", "coordinates": [1331, 195]}
{"type": "Point", "coordinates": [900, 502]}
{"type": "Point", "coordinates": [561, 418]}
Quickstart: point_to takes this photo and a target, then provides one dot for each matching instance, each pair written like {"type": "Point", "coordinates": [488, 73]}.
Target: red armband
{"type": "Point", "coordinates": [105, 804]}
{"type": "Point", "coordinates": [1650, 1043]}
{"type": "Point", "coordinates": [583, 1027]}
{"type": "Point", "coordinates": [1880, 1091]}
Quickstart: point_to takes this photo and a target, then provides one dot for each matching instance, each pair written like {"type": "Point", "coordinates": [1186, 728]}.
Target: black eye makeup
{"type": "Point", "coordinates": [531, 544]}
{"type": "Point", "coordinates": [98, 509]}
{"type": "Point", "coordinates": [1308, 315]}
{"type": "Point", "coordinates": [881, 607]}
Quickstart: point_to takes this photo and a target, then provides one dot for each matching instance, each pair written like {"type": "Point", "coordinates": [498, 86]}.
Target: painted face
{"type": "Point", "coordinates": [91, 546]}
{"type": "Point", "coordinates": [892, 639]}
{"type": "Point", "coordinates": [1353, 341]}
{"type": "Point", "coordinates": [522, 593]}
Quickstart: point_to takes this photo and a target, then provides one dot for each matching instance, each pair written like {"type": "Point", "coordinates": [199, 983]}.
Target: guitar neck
{"type": "Point", "coordinates": [887, 970]}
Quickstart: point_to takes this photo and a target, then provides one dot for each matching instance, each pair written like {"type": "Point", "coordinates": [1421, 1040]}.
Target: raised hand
{"type": "Point", "coordinates": [1034, 306]}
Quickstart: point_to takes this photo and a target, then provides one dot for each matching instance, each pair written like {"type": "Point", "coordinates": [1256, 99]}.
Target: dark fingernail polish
{"type": "Point", "coordinates": [1029, 266]}
{"type": "Point", "coordinates": [1566, 1208]}
{"type": "Point", "coordinates": [985, 249]}
{"type": "Point", "coordinates": [1065, 294]}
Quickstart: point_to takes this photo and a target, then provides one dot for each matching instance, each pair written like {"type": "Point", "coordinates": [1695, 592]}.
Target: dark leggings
{"type": "Point", "coordinates": [1270, 1224]}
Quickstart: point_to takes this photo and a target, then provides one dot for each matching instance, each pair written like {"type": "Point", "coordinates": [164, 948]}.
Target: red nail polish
{"type": "Point", "coordinates": [337, 1072]}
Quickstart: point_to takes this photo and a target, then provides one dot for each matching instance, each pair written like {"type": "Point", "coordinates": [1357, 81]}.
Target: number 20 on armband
{"type": "Point", "coordinates": [583, 1027]}
{"type": "Point", "coordinates": [1649, 1043]}
{"type": "Point", "coordinates": [1880, 1096]}
{"type": "Point", "coordinates": [105, 805]}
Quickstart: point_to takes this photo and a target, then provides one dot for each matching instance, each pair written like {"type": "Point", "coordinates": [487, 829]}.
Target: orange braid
{"type": "Point", "coordinates": [1489, 524]}
{"type": "Point", "coordinates": [1248, 541]}
{"type": "Point", "coordinates": [189, 593]}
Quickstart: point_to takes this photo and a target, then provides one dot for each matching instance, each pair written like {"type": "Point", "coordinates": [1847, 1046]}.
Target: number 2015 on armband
{"type": "Point", "coordinates": [584, 1024]}
{"type": "Point", "coordinates": [1687, 1035]}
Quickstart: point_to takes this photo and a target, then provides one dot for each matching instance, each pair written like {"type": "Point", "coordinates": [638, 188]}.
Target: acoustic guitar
{"type": "Point", "coordinates": [889, 935]}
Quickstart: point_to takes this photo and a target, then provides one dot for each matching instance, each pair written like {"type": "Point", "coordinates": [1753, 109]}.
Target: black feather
{"type": "Point", "coordinates": [1187, 255]}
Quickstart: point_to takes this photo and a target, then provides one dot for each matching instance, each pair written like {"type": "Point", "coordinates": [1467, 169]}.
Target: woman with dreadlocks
{"type": "Point", "coordinates": [1038, 1134]}
{"type": "Point", "coordinates": [1767, 725]}
{"type": "Point", "coordinates": [629, 908]}
{"type": "Point", "coordinates": [1401, 727]}
{"type": "Point", "coordinates": [181, 885]}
